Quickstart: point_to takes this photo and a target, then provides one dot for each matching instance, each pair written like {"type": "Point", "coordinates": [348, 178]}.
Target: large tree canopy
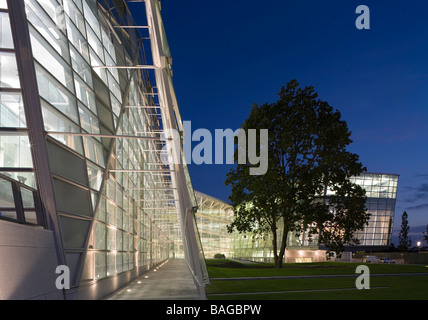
{"type": "Point", "coordinates": [307, 157]}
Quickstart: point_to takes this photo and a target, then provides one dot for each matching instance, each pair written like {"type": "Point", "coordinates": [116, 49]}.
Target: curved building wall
{"type": "Point", "coordinates": [85, 103]}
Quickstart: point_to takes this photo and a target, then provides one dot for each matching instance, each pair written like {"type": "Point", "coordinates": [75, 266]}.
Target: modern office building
{"type": "Point", "coordinates": [87, 177]}
{"type": "Point", "coordinates": [214, 215]}
{"type": "Point", "coordinates": [86, 181]}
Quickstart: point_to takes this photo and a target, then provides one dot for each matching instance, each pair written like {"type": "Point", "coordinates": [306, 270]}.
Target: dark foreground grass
{"type": "Point", "coordinates": [232, 269]}
{"type": "Point", "coordinates": [382, 288]}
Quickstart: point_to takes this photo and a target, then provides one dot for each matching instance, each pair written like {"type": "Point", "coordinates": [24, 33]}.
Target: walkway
{"type": "Point", "coordinates": [171, 281]}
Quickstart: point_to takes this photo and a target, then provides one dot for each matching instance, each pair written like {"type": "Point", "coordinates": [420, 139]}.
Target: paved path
{"type": "Point", "coordinates": [172, 281]}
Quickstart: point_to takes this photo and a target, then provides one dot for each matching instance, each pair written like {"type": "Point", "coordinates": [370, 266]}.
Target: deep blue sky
{"type": "Point", "coordinates": [229, 54]}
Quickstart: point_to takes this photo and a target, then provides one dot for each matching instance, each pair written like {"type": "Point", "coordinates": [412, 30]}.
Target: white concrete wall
{"type": "Point", "coordinates": [27, 263]}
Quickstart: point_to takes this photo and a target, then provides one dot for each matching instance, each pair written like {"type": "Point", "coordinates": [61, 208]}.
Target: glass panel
{"type": "Point", "coordinates": [95, 44]}
{"type": "Point", "coordinates": [55, 122]}
{"type": "Point", "coordinates": [9, 71]}
{"type": "Point", "coordinates": [85, 94]}
{"type": "Point", "coordinates": [114, 87]}
{"type": "Point", "coordinates": [111, 63]}
{"type": "Point", "coordinates": [12, 112]}
{"type": "Point", "coordinates": [111, 264]}
{"type": "Point", "coordinates": [53, 92]}
{"type": "Point", "coordinates": [119, 220]}
{"type": "Point", "coordinates": [96, 62]}
{"type": "Point", "coordinates": [6, 40]}
{"type": "Point", "coordinates": [116, 105]}
{"type": "Point", "coordinates": [109, 45]}
{"type": "Point", "coordinates": [6, 200]}
{"type": "Point", "coordinates": [47, 28]}
{"type": "Point", "coordinates": [94, 151]}
{"type": "Point", "coordinates": [101, 214]}
{"type": "Point", "coordinates": [54, 10]}
{"type": "Point", "coordinates": [88, 120]}
{"type": "Point", "coordinates": [119, 262]}
{"type": "Point", "coordinates": [100, 236]}
{"type": "Point", "coordinates": [66, 164]}
{"type": "Point", "coordinates": [111, 210]}
{"type": "Point", "coordinates": [27, 198]}
{"type": "Point", "coordinates": [79, 203]}
{"type": "Point", "coordinates": [15, 152]}
{"type": "Point", "coordinates": [119, 240]}
{"type": "Point", "coordinates": [51, 60]}
{"type": "Point", "coordinates": [81, 66]}
{"type": "Point", "coordinates": [3, 4]}
{"type": "Point", "coordinates": [31, 217]}
{"type": "Point", "coordinates": [100, 265]}
{"type": "Point", "coordinates": [78, 40]}
{"type": "Point", "coordinates": [111, 239]}
{"type": "Point", "coordinates": [78, 3]}
{"type": "Point", "coordinates": [92, 20]}
{"type": "Point", "coordinates": [75, 15]}
{"type": "Point", "coordinates": [26, 178]}
{"type": "Point", "coordinates": [74, 232]}
{"type": "Point", "coordinates": [96, 175]}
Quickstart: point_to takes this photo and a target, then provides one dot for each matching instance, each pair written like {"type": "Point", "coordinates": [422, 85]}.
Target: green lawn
{"type": "Point", "coordinates": [385, 288]}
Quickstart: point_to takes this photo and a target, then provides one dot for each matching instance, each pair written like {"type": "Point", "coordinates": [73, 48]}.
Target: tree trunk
{"type": "Point", "coordinates": [283, 245]}
{"type": "Point", "coordinates": [275, 246]}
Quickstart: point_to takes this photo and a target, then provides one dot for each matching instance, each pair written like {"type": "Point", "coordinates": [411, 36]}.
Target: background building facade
{"type": "Point", "coordinates": [214, 215]}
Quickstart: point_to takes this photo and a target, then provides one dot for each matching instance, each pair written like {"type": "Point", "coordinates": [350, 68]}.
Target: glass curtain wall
{"type": "Point", "coordinates": [214, 215]}
{"type": "Point", "coordinates": [15, 152]}
{"type": "Point", "coordinates": [18, 189]}
{"type": "Point", "coordinates": [381, 192]}
{"type": "Point", "coordinates": [212, 218]}
{"type": "Point", "coordinates": [105, 188]}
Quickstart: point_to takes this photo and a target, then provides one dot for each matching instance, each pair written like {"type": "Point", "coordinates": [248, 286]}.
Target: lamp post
{"type": "Point", "coordinates": [419, 246]}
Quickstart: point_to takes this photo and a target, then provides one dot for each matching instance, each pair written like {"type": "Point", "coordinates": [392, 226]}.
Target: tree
{"type": "Point", "coordinates": [308, 156]}
{"type": "Point", "coordinates": [404, 242]}
{"type": "Point", "coordinates": [426, 235]}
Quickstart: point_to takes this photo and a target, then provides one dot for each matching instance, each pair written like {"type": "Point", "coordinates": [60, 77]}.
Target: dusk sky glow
{"type": "Point", "coordinates": [229, 54]}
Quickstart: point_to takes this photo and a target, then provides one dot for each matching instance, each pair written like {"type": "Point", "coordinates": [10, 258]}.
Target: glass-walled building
{"type": "Point", "coordinates": [86, 97]}
{"type": "Point", "coordinates": [214, 215]}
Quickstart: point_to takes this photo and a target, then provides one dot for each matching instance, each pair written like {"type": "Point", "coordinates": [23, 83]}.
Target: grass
{"type": "Point", "coordinates": [232, 269]}
{"type": "Point", "coordinates": [385, 288]}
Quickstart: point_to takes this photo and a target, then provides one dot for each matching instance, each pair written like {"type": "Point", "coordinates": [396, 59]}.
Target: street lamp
{"type": "Point", "coordinates": [419, 245]}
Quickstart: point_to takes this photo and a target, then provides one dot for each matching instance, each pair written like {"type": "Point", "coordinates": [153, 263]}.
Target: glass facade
{"type": "Point", "coordinates": [381, 193]}
{"type": "Point", "coordinates": [19, 203]}
{"type": "Point", "coordinates": [119, 205]}
{"type": "Point", "coordinates": [212, 218]}
{"type": "Point", "coordinates": [214, 215]}
{"type": "Point", "coordinates": [15, 151]}
{"type": "Point", "coordinates": [381, 190]}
